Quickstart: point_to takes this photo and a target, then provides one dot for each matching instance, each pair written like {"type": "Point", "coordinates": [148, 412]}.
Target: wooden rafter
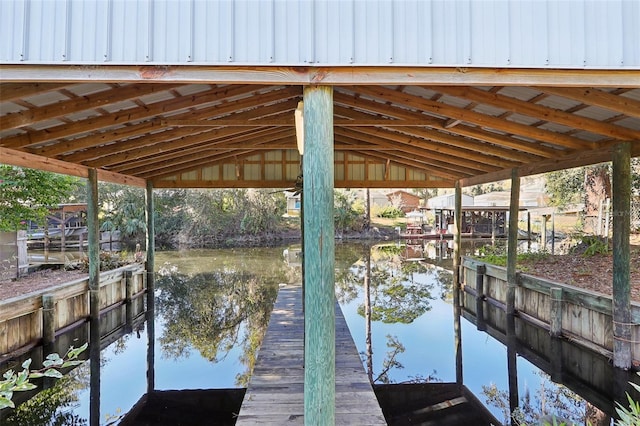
{"type": "Point", "coordinates": [81, 103]}
{"type": "Point", "coordinates": [484, 120]}
{"type": "Point", "coordinates": [541, 112]}
{"type": "Point", "coordinates": [597, 97]}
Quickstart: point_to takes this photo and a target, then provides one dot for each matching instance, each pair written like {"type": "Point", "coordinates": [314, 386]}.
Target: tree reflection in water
{"type": "Point", "coordinates": [393, 291]}
{"type": "Point", "coordinates": [550, 401]}
{"type": "Point", "coordinates": [213, 312]}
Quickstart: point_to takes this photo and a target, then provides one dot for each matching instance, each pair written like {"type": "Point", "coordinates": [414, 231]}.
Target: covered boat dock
{"type": "Point", "coordinates": [388, 94]}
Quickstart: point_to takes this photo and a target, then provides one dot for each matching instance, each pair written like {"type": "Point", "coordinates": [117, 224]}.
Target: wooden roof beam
{"type": "Point", "coordinates": [174, 134]}
{"type": "Point", "coordinates": [422, 147]}
{"type": "Point", "coordinates": [24, 159]}
{"type": "Point", "coordinates": [483, 120]}
{"type": "Point", "coordinates": [81, 103]}
{"type": "Point", "coordinates": [184, 145]}
{"type": "Point", "coordinates": [440, 161]}
{"type": "Point", "coordinates": [597, 97]}
{"type": "Point", "coordinates": [438, 124]}
{"type": "Point", "coordinates": [562, 162]}
{"type": "Point", "coordinates": [530, 109]}
{"type": "Point", "coordinates": [473, 145]}
{"type": "Point", "coordinates": [218, 94]}
{"type": "Point", "coordinates": [10, 92]}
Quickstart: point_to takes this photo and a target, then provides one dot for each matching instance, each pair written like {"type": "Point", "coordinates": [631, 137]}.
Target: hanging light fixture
{"type": "Point", "coordinates": [299, 118]}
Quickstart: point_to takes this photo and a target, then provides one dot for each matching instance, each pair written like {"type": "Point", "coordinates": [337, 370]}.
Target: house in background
{"type": "Point", "coordinates": [448, 201]}
{"type": "Point", "coordinates": [404, 200]}
{"type": "Point", "coordinates": [293, 204]}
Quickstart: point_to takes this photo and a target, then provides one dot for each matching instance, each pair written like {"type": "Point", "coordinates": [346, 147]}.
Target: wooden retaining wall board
{"type": "Point", "coordinates": [110, 331]}
{"type": "Point", "coordinates": [275, 393]}
{"type": "Point", "coordinates": [584, 316]}
{"type": "Point", "coordinates": [582, 371]}
{"type": "Point", "coordinates": [21, 318]}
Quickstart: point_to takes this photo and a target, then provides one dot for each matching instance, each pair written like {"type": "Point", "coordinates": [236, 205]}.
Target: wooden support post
{"type": "Point", "coordinates": [94, 296]}
{"type": "Point", "coordinates": [512, 364]}
{"type": "Point", "coordinates": [555, 316]}
{"type": "Point", "coordinates": [151, 245]}
{"type": "Point", "coordinates": [543, 233]}
{"type": "Point", "coordinates": [621, 256]}
{"type": "Point", "coordinates": [528, 230]}
{"type": "Point", "coordinates": [481, 270]}
{"type": "Point", "coordinates": [553, 232]}
{"type": "Point", "coordinates": [367, 314]}
{"type": "Point", "coordinates": [556, 359]}
{"type": "Point", "coordinates": [128, 305]}
{"type": "Point", "coordinates": [319, 257]}
{"type": "Point", "coordinates": [457, 229]}
{"type": "Point", "coordinates": [48, 319]}
{"type": "Point", "coordinates": [512, 244]}
{"type": "Point", "coordinates": [457, 330]}
{"type": "Point", "coordinates": [494, 223]}
{"type": "Point", "coordinates": [150, 266]}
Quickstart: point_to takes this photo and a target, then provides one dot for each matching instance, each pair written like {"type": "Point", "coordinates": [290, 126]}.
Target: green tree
{"type": "Point", "coordinates": [26, 194]}
{"type": "Point", "coordinates": [397, 296]}
{"type": "Point", "coordinates": [347, 212]}
{"type": "Point", "coordinates": [123, 208]}
{"type": "Point", "coordinates": [572, 185]}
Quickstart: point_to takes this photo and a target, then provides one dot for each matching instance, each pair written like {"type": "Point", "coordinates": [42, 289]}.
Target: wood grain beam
{"type": "Point", "coordinates": [24, 159]}
{"type": "Point", "coordinates": [478, 119]}
{"type": "Point", "coordinates": [338, 76]}
{"type": "Point", "coordinates": [289, 122]}
{"type": "Point", "coordinates": [167, 135]}
{"type": "Point", "coordinates": [81, 103]}
{"type": "Point", "coordinates": [563, 162]}
{"type": "Point", "coordinates": [10, 92]}
{"type": "Point", "coordinates": [596, 97]}
{"type": "Point", "coordinates": [150, 111]}
{"type": "Point", "coordinates": [501, 140]}
{"type": "Point", "coordinates": [399, 156]}
{"type": "Point", "coordinates": [539, 111]}
{"type": "Point", "coordinates": [417, 147]}
{"type": "Point", "coordinates": [284, 184]}
{"type": "Point", "coordinates": [182, 145]}
{"type": "Point", "coordinates": [473, 145]}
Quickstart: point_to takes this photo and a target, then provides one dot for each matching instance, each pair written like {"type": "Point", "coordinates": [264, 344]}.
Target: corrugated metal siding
{"type": "Point", "coordinates": [492, 33]}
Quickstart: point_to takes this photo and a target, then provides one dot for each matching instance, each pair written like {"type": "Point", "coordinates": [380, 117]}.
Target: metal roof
{"type": "Point", "coordinates": [592, 34]}
{"type": "Point", "coordinates": [426, 92]}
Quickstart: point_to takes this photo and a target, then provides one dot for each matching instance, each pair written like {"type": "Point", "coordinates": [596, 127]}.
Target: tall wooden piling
{"type": "Point", "coordinates": [151, 244]}
{"type": "Point", "coordinates": [481, 270]}
{"type": "Point", "coordinates": [512, 244]}
{"type": "Point", "coordinates": [555, 317]}
{"type": "Point", "coordinates": [48, 319]}
{"type": "Point", "coordinates": [150, 266]}
{"type": "Point", "coordinates": [512, 363]}
{"type": "Point", "coordinates": [621, 256]}
{"type": "Point", "coordinates": [457, 230]}
{"type": "Point", "coordinates": [319, 257]}
{"type": "Point", "coordinates": [93, 229]}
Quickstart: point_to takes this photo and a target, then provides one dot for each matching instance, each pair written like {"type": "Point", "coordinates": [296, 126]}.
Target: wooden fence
{"type": "Point", "coordinates": [38, 317]}
{"type": "Point", "coordinates": [579, 315]}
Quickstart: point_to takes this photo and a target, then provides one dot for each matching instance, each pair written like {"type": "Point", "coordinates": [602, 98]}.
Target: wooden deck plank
{"type": "Point", "coordinates": [275, 395]}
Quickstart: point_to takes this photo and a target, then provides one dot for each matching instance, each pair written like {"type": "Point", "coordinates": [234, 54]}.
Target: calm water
{"type": "Point", "coordinates": [212, 306]}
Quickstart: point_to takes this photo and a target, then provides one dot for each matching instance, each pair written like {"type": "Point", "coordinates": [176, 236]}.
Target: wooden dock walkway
{"type": "Point", "coordinates": [275, 392]}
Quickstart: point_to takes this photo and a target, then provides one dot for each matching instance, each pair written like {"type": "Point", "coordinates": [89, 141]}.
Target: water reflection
{"type": "Point", "coordinates": [213, 313]}
{"type": "Point", "coordinates": [211, 308]}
